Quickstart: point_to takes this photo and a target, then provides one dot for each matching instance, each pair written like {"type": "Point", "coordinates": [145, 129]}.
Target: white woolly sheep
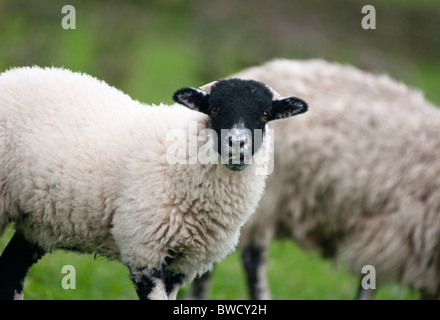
{"type": "Point", "coordinates": [84, 167]}
{"type": "Point", "coordinates": [363, 185]}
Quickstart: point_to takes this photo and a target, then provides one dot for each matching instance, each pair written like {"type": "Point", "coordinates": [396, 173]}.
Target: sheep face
{"type": "Point", "coordinates": [239, 110]}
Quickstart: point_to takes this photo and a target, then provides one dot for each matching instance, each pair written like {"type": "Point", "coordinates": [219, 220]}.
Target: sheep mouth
{"type": "Point", "coordinates": [236, 161]}
{"type": "Point", "coordinates": [236, 167]}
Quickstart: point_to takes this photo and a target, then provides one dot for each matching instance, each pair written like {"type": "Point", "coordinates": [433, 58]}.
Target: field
{"type": "Point", "coordinates": [150, 50]}
{"type": "Point", "coordinates": [293, 274]}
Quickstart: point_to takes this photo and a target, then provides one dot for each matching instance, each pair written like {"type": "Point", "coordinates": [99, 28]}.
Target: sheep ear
{"type": "Point", "coordinates": [275, 95]}
{"type": "Point", "coordinates": [207, 87]}
{"type": "Point", "coordinates": [287, 107]}
{"type": "Point", "coordinates": [192, 98]}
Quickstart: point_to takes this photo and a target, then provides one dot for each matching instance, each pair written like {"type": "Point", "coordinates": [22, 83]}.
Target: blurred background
{"type": "Point", "coordinates": [149, 49]}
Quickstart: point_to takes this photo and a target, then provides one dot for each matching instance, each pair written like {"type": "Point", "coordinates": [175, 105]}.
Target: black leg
{"type": "Point", "coordinates": [200, 287]}
{"type": "Point", "coordinates": [364, 294]}
{"type": "Point", "coordinates": [143, 285]}
{"type": "Point", "coordinates": [149, 285]}
{"type": "Point", "coordinates": [159, 285]}
{"type": "Point", "coordinates": [15, 261]}
{"type": "Point", "coordinates": [427, 296]}
{"type": "Point", "coordinates": [254, 260]}
{"type": "Point", "coordinates": [172, 284]}
{"type": "Point", "coordinates": [173, 281]}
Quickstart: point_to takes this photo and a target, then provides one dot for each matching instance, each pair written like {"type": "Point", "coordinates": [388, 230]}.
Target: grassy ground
{"type": "Point", "coordinates": [293, 274]}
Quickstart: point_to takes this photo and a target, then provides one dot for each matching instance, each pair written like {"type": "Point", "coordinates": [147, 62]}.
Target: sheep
{"type": "Point", "coordinates": [84, 167]}
{"type": "Point", "coordinates": [362, 186]}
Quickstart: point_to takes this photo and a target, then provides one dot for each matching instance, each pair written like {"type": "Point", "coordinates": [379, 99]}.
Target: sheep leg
{"type": "Point", "coordinates": [157, 285]}
{"type": "Point", "coordinates": [424, 295]}
{"type": "Point", "coordinates": [254, 260]}
{"type": "Point", "coordinates": [149, 286]}
{"type": "Point", "coordinates": [200, 287]}
{"type": "Point", "coordinates": [364, 294]}
{"type": "Point", "coordinates": [173, 282]}
{"type": "Point", "coordinates": [15, 261]}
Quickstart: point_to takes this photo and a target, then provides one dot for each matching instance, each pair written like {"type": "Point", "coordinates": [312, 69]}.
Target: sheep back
{"type": "Point", "coordinates": [359, 172]}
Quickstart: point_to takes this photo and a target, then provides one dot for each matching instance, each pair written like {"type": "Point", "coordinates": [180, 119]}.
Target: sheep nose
{"type": "Point", "coordinates": [240, 142]}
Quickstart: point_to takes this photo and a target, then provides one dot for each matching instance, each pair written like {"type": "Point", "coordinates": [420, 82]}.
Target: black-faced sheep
{"type": "Point", "coordinates": [84, 167]}
{"type": "Point", "coordinates": [363, 185]}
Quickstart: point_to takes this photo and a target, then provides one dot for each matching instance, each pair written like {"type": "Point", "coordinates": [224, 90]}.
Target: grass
{"type": "Point", "coordinates": [426, 77]}
{"type": "Point", "coordinates": [293, 274]}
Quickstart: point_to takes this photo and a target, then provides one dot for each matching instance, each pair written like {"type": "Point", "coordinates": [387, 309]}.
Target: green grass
{"type": "Point", "coordinates": [98, 279]}
{"type": "Point", "coordinates": [171, 63]}
{"type": "Point", "coordinates": [426, 78]}
{"type": "Point", "coordinates": [293, 274]}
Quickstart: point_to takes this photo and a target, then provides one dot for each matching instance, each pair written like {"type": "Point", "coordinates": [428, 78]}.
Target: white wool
{"type": "Point", "coordinates": [83, 167]}
{"type": "Point", "coordinates": [358, 176]}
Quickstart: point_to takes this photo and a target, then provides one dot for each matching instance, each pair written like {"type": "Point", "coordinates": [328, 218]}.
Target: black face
{"type": "Point", "coordinates": [241, 107]}
{"type": "Point", "coordinates": [239, 110]}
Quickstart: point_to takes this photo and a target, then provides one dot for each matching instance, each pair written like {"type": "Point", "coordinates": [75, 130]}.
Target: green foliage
{"type": "Point", "coordinates": [293, 274]}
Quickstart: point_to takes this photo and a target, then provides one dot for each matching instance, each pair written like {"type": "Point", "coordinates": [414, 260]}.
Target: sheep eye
{"type": "Point", "coordinates": [265, 116]}
{"type": "Point", "coordinates": [214, 110]}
